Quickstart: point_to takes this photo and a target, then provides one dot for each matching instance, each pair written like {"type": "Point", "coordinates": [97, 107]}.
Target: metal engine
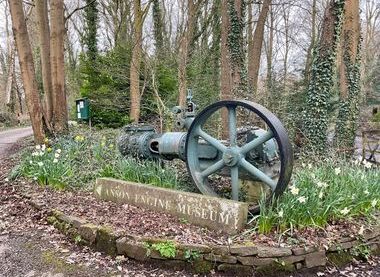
{"type": "Point", "coordinates": [249, 156]}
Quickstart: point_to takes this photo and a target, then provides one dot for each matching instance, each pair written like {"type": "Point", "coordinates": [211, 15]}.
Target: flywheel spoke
{"type": "Point", "coordinates": [235, 182]}
{"type": "Point", "coordinates": [212, 169]}
{"type": "Point", "coordinates": [256, 142]}
{"type": "Point", "coordinates": [258, 173]}
{"type": "Point", "coordinates": [232, 125]}
{"type": "Point", "coordinates": [213, 141]}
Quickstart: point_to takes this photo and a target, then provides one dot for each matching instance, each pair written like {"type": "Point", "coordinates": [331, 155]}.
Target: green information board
{"type": "Point", "coordinates": [83, 109]}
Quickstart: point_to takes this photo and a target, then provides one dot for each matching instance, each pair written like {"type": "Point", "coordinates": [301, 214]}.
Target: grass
{"type": "Point", "coordinates": [321, 193]}
{"type": "Point", "coordinates": [76, 160]}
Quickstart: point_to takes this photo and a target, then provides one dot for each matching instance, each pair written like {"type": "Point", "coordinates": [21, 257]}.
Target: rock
{"type": "Point", "coordinates": [339, 258]}
{"type": "Point", "coordinates": [212, 212]}
{"type": "Point", "coordinates": [272, 252]}
{"type": "Point", "coordinates": [244, 250]}
{"type": "Point", "coordinates": [72, 220]}
{"type": "Point", "coordinates": [202, 266]}
{"type": "Point", "coordinates": [368, 235]}
{"type": "Point", "coordinates": [303, 250]}
{"type": "Point", "coordinates": [299, 266]}
{"type": "Point", "coordinates": [202, 249]}
{"type": "Point", "coordinates": [88, 232]}
{"type": "Point", "coordinates": [154, 254]}
{"type": "Point", "coordinates": [132, 249]}
{"type": "Point", "coordinates": [292, 259]}
{"type": "Point", "coordinates": [220, 250]}
{"type": "Point", "coordinates": [106, 241]}
{"type": "Point", "coordinates": [236, 270]}
{"type": "Point", "coordinates": [221, 258]}
{"type": "Point", "coordinates": [315, 259]}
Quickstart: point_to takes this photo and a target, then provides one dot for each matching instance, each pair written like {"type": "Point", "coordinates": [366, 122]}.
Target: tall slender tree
{"type": "Point", "coordinates": [139, 18]}
{"type": "Point", "coordinates": [349, 77]}
{"type": "Point", "coordinates": [44, 38]}
{"type": "Point", "coordinates": [255, 44]}
{"type": "Point", "coordinates": [25, 57]}
{"type": "Point", "coordinates": [322, 78]}
{"type": "Point", "coordinates": [58, 67]}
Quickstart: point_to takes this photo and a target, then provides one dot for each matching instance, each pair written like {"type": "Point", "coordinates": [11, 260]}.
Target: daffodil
{"type": "Point", "coordinates": [281, 213]}
{"type": "Point", "coordinates": [55, 161]}
{"type": "Point", "coordinates": [367, 164]}
{"type": "Point", "coordinates": [294, 190]}
{"type": "Point", "coordinates": [322, 185]}
{"type": "Point", "coordinates": [38, 147]}
{"type": "Point", "coordinates": [56, 155]}
{"type": "Point", "coordinates": [302, 199]}
{"type": "Point", "coordinates": [337, 171]}
{"type": "Point", "coordinates": [49, 149]}
{"type": "Point", "coordinates": [374, 203]}
{"type": "Point", "coordinates": [58, 151]}
{"type": "Point", "coordinates": [46, 140]}
{"type": "Point", "coordinates": [345, 211]}
{"type": "Point", "coordinates": [40, 163]}
{"type": "Point", "coordinates": [320, 196]}
{"type": "Point", "coordinates": [366, 192]}
{"type": "Point", "coordinates": [43, 147]}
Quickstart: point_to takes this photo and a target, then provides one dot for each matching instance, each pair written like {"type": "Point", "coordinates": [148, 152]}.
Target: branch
{"type": "Point", "coordinates": [78, 9]}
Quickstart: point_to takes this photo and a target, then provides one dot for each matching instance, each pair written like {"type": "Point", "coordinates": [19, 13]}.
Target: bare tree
{"type": "Point", "coordinates": [58, 66]}
{"type": "Point", "coordinates": [27, 69]}
{"type": "Point", "coordinates": [184, 46]}
{"type": "Point", "coordinates": [139, 17]}
{"type": "Point", "coordinates": [255, 44]}
{"type": "Point", "coordinates": [44, 36]}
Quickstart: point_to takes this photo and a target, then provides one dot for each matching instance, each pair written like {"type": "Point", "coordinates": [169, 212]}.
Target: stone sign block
{"type": "Point", "coordinates": [212, 212]}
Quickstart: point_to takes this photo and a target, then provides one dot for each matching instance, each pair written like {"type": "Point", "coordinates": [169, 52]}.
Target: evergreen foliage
{"type": "Point", "coordinates": [349, 108]}
{"type": "Point", "coordinates": [322, 82]}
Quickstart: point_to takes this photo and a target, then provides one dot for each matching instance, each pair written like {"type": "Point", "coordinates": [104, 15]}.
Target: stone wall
{"type": "Point", "coordinates": [239, 259]}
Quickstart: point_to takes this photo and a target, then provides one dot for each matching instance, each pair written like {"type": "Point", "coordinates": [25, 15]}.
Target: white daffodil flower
{"type": "Point", "coordinates": [345, 211]}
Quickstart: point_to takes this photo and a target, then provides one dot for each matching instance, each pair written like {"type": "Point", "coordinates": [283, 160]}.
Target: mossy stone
{"type": "Point", "coordinates": [202, 266]}
{"type": "Point", "coordinates": [339, 258]}
{"type": "Point", "coordinates": [106, 241]}
{"type": "Point", "coordinates": [273, 268]}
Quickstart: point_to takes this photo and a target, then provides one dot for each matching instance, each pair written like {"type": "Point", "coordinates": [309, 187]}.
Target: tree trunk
{"type": "Point", "coordinates": [254, 56]}
{"type": "Point", "coordinates": [135, 62]}
{"type": "Point", "coordinates": [349, 79]}
{"type": "Point", "coordinates": [44, 36]}
{"type": "Point", "coordinates": [184, 47]}
{"type": "Point", "coordinates": [27, 69]}
{"type": "Point", "coordinates": [232, 52]}
{"type": "Point", "coordinates": [58, 67]}
{"type": "Point", "coordinates": [270, 52]}
{"type": "Point", "coordinates": [309, 56]}
{"type": "Point", "coordinates": [233, 71]}
{"type": "Point", "coordinates": [322, 78]}
{"type": "Point", "coordinates": [10, 76]}
{"type": "Point", "coordinates": [286, 15]}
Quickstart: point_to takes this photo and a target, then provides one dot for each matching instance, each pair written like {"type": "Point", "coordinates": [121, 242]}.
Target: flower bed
{"type": "Point", "coordinates": [239, 258]}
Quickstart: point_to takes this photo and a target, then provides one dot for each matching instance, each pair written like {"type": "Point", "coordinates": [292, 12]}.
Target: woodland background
{"type": "Point", "coordinates": [315, 64]}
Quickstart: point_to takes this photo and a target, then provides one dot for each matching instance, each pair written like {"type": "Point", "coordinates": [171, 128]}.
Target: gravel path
{"type": "Point", "coordinates": [9, 137]}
